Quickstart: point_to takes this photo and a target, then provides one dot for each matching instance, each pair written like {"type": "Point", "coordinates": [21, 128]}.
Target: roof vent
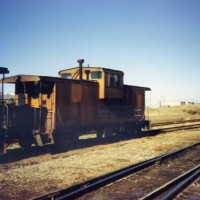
{"type": "Point", "coordinates": [81, 61]}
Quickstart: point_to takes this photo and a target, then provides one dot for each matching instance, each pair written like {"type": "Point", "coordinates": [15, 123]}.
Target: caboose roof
{"type": "Point", "coordinates": [26, 78]}
{"type": "Point", "coordinates": [139, 87]}
{"type": "Point", "coordinates": [100, 68]}
{"type": "Point", "coordinates": [36, 78]}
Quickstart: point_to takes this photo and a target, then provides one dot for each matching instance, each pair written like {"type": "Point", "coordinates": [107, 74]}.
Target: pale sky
{"type": "Point", "coordinates": [155, 42]}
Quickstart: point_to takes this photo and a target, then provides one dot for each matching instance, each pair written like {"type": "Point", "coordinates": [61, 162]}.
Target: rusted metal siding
{"type": "Point", "coordinates": [134, 96]}
{"type": "Point", "coordinates": [138, 99]}
{"type": "Point", "coordinates": [113, 93]}
{"type": "Point", "coordinates": [63, 112]}
{"type": "Point", "coordinates": [76, 103]}
{"type": "Point", "coordinates": [48, 102]}
{"type": "Point", "coordinates": [89, 103]}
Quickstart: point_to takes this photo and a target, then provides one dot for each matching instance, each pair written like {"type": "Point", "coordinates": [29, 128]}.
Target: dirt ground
{"type": "Point", "coordinates": [25, 175]}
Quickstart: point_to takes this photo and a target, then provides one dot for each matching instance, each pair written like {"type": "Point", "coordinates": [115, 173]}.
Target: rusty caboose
{"type": "Point", "coordinates": [51, 110]}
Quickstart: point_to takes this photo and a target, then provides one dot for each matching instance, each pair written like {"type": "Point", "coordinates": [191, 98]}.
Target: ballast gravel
{"type": "Point", "coordinates": [26, 177]}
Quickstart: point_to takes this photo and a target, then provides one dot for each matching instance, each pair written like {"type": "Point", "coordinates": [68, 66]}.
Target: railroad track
{"type": "Point", "coordinates": [88, 186]}
{"type": "Point", "coordinates": [175, 122]}
{"type": "Point", "coordinates": [175, 186]}
{"type": "Point", "coordinates": [155, 130]}
{"type": "Point", "coordinates": [176, 128]}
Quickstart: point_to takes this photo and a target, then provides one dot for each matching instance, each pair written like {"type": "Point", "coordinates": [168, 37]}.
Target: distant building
{"type": "Point", "coordinates": [7, 96]}
{"type": "Point", "coordinates": [169, 104]}
{"type": "Point", "coordinates": [184, 103]}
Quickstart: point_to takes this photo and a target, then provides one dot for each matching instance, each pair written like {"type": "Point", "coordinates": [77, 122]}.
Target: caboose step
{"type": "Point", "coordinates": [43, 139]}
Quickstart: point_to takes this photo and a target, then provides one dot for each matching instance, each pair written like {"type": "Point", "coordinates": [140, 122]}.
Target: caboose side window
{"type": "Point", "coordinates": [96, 75]}
{"type": "Point", "coordinates": [30, 88]}
{"type": "Point", "coordinates": [66, 75]}
{"type": "Point", "coordinates": [33, 89]}
{"type": "Point", "coordinates": [113, 80]}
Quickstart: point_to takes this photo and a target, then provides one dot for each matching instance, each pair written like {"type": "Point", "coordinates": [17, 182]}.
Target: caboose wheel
{"type": "Point", "coordinates": [25, 143]}
{"type": "Point", "coordinates": [100, 133]}
{"type": "Point", "coordinates": [26, 140]}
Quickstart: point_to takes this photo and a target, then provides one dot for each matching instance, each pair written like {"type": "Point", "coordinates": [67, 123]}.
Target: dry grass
{"type": "Point", "coordinates": [176, 110]}
{"type": "Point", "coordinates": [173, 113]}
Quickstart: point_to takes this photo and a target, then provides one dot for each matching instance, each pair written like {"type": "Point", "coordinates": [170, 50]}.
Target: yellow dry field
{"type": "Point", "coordinates": [173, 113]}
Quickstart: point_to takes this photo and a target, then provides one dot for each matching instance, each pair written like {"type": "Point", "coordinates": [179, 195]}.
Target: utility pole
{"type": "Point", "coordinates": [3, 129]}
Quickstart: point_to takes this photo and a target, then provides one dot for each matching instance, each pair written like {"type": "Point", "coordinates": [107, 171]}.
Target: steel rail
{"type": "Point", "coordinates": [156, 131]}
{"type": "Point", "coordinates": [175, 128]}
{"type": "Point", "coordinates": [96, 183]}
{"type": "Point", "coordinates": [175, 186]}
{"type": "Point", "coordinates": [174, 122]}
